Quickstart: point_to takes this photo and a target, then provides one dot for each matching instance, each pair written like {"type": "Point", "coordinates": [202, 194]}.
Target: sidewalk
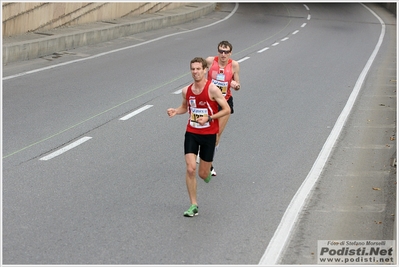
{"type": "Point", "coordinates": [355, 197]}
{"type": "Point", "coordinates": [37, 44]}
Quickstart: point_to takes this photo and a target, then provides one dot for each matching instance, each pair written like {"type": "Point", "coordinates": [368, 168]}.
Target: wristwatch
{"type": "Point", "coordinates": [209, 119]}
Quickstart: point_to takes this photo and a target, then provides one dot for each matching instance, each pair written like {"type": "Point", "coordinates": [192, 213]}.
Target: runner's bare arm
{"type": "Point", "coordinates": [183, 107]}
{"type": "Point", "coordinates": [235, 83]}
{"type": "Point", "coordinates": [209, 61]}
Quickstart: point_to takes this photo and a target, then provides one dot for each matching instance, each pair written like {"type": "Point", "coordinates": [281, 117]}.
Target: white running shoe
{"type": "Point", "coordinates": [213, 172]}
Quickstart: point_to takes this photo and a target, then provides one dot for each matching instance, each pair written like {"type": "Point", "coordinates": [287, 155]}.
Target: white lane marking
{"type": "Point", "coordinates": [263, 50]}
{"type": "Point", "coordinates": [275, 44]}
{"type": "Point", "coordinates": [285, 39]}
{"type": "Point", "coordinates": [303, 25]}
{"type": "Point", "coordinates": [278, 242]}
{"type": "Point", "coordinates": [178, 92]}
{"type": "Point", "coordinates": [123, 48]}
{"type": "Point", "coordinates": [243, 59]}
{"type": "Point", "coordinates": [295, 32]}
{"type": "Point", "coordinates": [309, 16]}
{"type": "Point", "coordinates": [306, 7]}
{"type": "Point", "coordinates": [134, 113]}
{"type": "Point", "coordinates": [66, 148]}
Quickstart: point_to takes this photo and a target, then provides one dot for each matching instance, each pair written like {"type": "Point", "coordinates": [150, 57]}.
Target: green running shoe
{"type": "Point", "coordinates": [192, 211]}
{"type": "Point", "coordinates": [208, 178]}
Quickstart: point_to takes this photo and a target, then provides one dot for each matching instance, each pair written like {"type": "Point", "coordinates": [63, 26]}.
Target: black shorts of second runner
{"type": "Point", "coordinates": [192, 142]}
{"type": "Point", "coordinates": [230, 102]}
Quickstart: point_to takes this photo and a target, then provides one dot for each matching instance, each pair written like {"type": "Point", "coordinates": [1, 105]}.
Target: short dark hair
{"type": "Point", "coordinates": [199, 60]}
{"type": "Point", "coordinates": [227, 44]}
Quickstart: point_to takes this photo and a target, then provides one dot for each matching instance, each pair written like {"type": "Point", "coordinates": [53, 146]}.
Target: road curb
{"type": "Point", "coordinates": [39, 44]}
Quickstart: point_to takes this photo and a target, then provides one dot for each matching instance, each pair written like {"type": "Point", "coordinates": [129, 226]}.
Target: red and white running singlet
{"type": "Point", "coordinates": [221, 77]}
{"type": "Point", "coordinates": [199, 106]}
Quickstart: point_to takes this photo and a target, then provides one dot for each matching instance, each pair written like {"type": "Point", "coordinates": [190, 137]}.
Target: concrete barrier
{"type": "Point", "coordinates": [391, 7]}
{"type": "Point", "coordinates": [33, 45]}
{"type": "Point", "coordinates": [23, 17]}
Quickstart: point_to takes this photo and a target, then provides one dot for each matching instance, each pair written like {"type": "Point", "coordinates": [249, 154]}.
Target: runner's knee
{"type": "Point", "coordinates": [191, 170]}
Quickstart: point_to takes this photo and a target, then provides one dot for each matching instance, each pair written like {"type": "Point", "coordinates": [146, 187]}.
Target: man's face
{"type": "Point", "coordinates": [197, 71]}
{"type": "Point", "coordinates": [224, 52]}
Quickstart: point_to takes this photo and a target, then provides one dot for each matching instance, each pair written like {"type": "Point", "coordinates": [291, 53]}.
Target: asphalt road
{"type": "Point", "coordinates": [119, 196]}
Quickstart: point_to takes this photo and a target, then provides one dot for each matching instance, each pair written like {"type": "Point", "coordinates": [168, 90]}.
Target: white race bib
{"type": "Point", "coordinates": [221, 85]}
{"type": "Point", "coordinates": [195, 114]}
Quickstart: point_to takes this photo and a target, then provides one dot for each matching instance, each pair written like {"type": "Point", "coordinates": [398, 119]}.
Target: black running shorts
{"type": "Point", "coordinates": [192, 143]}
{"type": "Point", "coordinates": [230, 102]}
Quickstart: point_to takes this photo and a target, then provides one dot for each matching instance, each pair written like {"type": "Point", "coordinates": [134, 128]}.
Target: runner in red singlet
{"type": "Point", "coordinates": [224, 73]}
{"type": "Point", "coordinates": [206, 105]}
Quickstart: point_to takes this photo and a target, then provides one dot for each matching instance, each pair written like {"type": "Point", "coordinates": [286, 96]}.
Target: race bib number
{"type": "Point", "coordinates": [221, 85]}
{"type": "Point", "coordinates": [195, 114]}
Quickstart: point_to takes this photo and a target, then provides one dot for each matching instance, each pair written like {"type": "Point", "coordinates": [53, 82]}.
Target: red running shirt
{"type": "Point", "coordinates": [221, 77]}
{"type": "Point", "coordinates": [199, 106]}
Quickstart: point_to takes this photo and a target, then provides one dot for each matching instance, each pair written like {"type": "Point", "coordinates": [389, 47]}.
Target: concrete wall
{"type": "Point", "coordinates": [23, 17]}
{"type": "Point", "coordinates": [391, 7]}
{"type": "Point", "coordinates": [37, 44]}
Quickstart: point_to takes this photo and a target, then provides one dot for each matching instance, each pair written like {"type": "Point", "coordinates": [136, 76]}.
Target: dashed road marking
{"type": "Point", "coordinates": [243, 59]}
{"type": "Point", "coordinates": [263, 50]}
{"type": "Point", "coordinates": [66, 148]}
{"type": "Point", "coordinates": [134, 113]}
